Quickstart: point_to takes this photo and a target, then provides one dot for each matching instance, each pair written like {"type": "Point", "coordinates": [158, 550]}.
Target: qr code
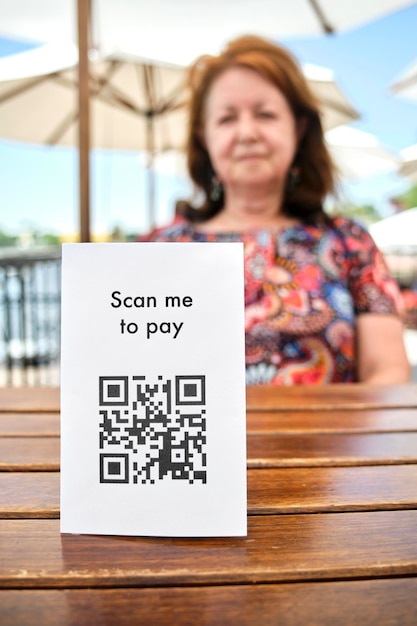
{"type": "Point", "coordinates": [151, 430]}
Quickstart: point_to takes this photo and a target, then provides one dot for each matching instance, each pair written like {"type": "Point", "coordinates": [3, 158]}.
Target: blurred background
{"type": "Point", "coordinates": [92, 125]}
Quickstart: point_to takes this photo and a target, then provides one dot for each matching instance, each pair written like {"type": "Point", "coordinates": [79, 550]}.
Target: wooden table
{"type": "Point", "coordinates": [332, 506]}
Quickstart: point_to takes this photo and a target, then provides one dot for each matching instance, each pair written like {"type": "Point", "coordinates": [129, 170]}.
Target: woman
{"type": "Point", "coordinates": [321, 306]}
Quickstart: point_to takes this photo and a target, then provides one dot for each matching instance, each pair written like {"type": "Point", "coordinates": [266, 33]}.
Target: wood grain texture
{"type": "Point", "coordinates": [261, 422]}
{"type": "Point", "coordinates": [281, 548]}
{"type": "Point", "coordinates": [270, 491]}
{"type": "Point", "coordinates": [276, 450]}
{"type": "Point", "coordinates": [332, 504]}
{"type": "Point", "coordinates": [24, 454]}
{"type": "Point", "coordinates": [303, 490]}
{"type": "Point", "coordinates": [329, 397]}
{"type": "Point", "coordinates": [352, 603]}
{"type": "Point", "coordinates": [29, 424]}
{"type": "Point", "coordinates": [29, 495]}
{"type": "Point", "coordinates": [311, 397]}
{"type": "Point", "coordinates": [334, 421]}
{"type": "Point", "coordinates": [29, 399]}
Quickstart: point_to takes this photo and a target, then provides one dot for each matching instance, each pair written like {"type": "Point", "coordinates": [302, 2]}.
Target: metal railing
{"type": "Point", "coordinates": [30, 316]}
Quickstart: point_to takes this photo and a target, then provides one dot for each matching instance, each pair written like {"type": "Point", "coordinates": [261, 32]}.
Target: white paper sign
{"type": "Point", "coordinates": [153, 424]}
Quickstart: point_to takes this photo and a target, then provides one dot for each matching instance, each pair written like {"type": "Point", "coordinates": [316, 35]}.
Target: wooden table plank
{"type": "Point", "coordinates": [352, 515]}
{"type": "Point", "coordinates": [29, 424]}
{"type": "Point", "coordinates": [330, 397]}
{"type": "Point", "coordinates": [272, 450]}
{"type": "Point", "coordinates": [29, 495]}
{"type": "Point", "coordinates": [330, 489]}
{"type": "Point", "coordinates": [336, 421]}
{"type": "Point", "coordinates": [270, 491]}
{"type": "Point", "coordinates": [281, 548]}
{"type": "Point", "coordinates": [276, 450]}
{"type": "Point", "coordinates": [30, 399]}
{"type": "Point", "coordinates": [258, 422]}
{"type": "Point", "coordinates": [354, 603]}
{"type": "Point", "coordinates": [371, 421]}
{"type": "Point", "coordinates": [25, 454]}
{"type": "Point", "coordinates": [310, 397]}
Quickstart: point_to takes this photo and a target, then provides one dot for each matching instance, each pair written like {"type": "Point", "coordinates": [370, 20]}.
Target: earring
{"type": "Point", "coordinates": [294, 179]}
{"type": "Point", "coordinates": [216, 189]}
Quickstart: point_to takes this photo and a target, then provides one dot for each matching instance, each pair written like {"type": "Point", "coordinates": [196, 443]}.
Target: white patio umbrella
{"type": "Point", "coordinates": [336, 108]}
{"type": "Point", "coordinates": [38, 99]}
{"type": "Point", "coordinates": [405, 86]}
{"type": "Point", "coordinates": [126, 92]}
{"type": "Point", "coordinates": [178, 31]}
{"type": "Point", "coordinates": [396, 231]}
{"type": "Point", "coordinates": [184, 29]}
{"type": "Point", "coordinates": [406, 83]}
{"type": "Point", "coordinates": [358, 154]}
{"type": "Point", "coordinates": [136, 104]}
{"type": "Point", "coordinates": [408, 165]}
{"type": "Point", "coordinates": [396, 237]}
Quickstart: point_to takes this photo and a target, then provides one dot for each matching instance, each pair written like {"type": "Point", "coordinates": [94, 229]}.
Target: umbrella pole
{"type": "Point", "coordinates": [83, 15]}
{"type": "Point", "coordinates": [151, 192]}
{"type": "Point", "coordinates": [151, 169]}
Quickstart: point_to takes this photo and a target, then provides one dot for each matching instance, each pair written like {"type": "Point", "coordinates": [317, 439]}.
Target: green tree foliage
{"type": "Point", "coordinates": [37, 238]}
{"type": "Point", "coordinates": [48, 239]}
{"type": "Point", "coordinates": [408, 200]}
{"type": "Point", "coordinates": [7, 240]}
{"type": "Point", "coordinates": [365, 213]}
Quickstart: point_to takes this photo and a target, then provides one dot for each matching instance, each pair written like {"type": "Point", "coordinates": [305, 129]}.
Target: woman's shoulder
{"type": "Point", "coordinates": [349, 226]}
{"type": "Point", "coordinates": [354, 233]}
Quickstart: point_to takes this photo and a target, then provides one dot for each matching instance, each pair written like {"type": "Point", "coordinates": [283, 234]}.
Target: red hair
{"type": "Point", "coordinates": [312, 160]}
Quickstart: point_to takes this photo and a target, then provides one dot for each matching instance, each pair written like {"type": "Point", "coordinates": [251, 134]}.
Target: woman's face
{"type": "Point", "coordinates": [250, 132]}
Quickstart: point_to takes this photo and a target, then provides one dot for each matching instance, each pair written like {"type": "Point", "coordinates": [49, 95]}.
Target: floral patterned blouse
{"type": "Point", "coordinates": [304, 288]}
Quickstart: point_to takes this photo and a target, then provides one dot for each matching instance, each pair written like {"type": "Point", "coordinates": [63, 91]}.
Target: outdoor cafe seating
{"type": "Point", "coordinates": [331, 509]}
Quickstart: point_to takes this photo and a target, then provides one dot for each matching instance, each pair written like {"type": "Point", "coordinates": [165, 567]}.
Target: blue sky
{"type": "Point", "coordinates": [38, 185]}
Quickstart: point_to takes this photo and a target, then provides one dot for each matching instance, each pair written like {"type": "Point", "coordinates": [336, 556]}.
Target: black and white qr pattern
{"type": "Point", "coordinates": [152, 430]}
